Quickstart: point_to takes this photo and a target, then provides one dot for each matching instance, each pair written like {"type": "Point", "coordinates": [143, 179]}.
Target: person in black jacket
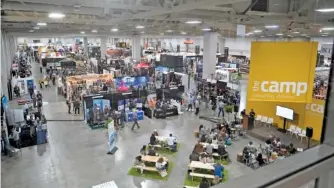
{"type": "Point", "coordinates": [152, 152]}
{"type": "Point", "coordinates": [153, 140]}
{"type": "Point", "coordinates": [204, 183]}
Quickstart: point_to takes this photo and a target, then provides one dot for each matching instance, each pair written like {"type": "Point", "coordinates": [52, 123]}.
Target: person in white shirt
{"type": "Point", "coordinates": [16, 136]}
{"type": "Point", "coordinates": [171, 141]}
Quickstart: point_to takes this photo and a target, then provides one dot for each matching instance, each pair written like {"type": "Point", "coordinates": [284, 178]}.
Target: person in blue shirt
{"type": "Point", "coordinates": [135, 120]}
{"type": "Point", "coordinates": [218, 170]}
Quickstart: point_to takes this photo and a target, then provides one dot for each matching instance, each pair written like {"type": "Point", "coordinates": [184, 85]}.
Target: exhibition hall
{"type": "Point", "coordinates": [167, 94]}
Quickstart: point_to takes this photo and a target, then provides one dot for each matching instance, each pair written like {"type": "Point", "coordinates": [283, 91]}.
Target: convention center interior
{"type": "Point", "coordinates": [167, 94]}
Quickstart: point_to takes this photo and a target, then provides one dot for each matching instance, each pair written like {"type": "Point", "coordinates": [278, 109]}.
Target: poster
{"type": "Point", "coordinates": [127, 104]}
{"type": "Point", "coordinates": [120, 105]}
{"type": "Point", "coordinates": [139, 104]}
{"type": "Point", "coordinates": [98, 103]}
{"type": "Point", "coordinates": [112, 136]}
{"type": "Point", "coordinates": [139, 81]}
{"type": "Point", "coordinates": [30, 83]}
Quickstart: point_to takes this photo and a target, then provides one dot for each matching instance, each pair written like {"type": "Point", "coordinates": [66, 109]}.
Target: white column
{"type": "Point", "coordinates": [103, 46]}
{"type": "Point", "coordinates": [136, 53]}
{"type": "Point", "coordinates": [243, 94]}
{"type": "Point", "coordinates": [209, 54]}
{"type": "Point", "coordinates": [85, 40]}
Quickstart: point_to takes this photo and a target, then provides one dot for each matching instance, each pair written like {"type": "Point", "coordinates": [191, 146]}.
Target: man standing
{"type": "Point", "coordinates": [197, 106]}
{"type": "Point", "coordinates": [221, 108]}
{"type": "Point", "coordinates": [135, 120]}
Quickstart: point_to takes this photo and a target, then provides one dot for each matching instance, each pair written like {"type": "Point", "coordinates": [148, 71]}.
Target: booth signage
{"type": "Point", "coordinates": [280, 73]}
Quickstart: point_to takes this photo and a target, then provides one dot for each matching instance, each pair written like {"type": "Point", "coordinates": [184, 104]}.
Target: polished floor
{"type": "Point", "coordinates": [75, 156]}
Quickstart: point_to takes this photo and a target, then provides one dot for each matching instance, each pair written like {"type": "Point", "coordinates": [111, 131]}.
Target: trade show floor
{"type": "Point", "coordinates": [75, 156]}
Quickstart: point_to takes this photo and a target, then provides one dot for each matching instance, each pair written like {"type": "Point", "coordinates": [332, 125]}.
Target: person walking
{"type": "Point", "coordinates": [69, 106]}
{"type": "Point", "coordinates": [197, 106]}
{"type": "Point", "coordinates": [221, 108]}
{"type": "Point", "coordinates": [135, 120]}
{"type": "Point", "coordinates": [76, 105]}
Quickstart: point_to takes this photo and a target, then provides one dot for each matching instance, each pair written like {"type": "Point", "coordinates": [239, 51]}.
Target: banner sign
{"type": "Point", "coordinates": [281, 73]}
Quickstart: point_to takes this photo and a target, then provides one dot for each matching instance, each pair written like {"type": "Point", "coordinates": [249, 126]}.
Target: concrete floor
{"type": "Point", "coordinates": [75, 156]}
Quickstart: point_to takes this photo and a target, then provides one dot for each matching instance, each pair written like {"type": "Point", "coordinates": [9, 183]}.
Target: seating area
{"type": "Point", "coordinates": [257, 155]}
{"type": "Point", "coordinates": [208, 157]}
{"type": "Point", "coordinates": [297, 131]}
{"type": "Point", "coordinates": [264, 121]}
{"type": "Point", "coordinates": [164, 144]}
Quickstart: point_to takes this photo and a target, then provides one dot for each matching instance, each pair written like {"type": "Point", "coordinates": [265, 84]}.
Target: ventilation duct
{"type": "Point", "coordinates": [260, 5]}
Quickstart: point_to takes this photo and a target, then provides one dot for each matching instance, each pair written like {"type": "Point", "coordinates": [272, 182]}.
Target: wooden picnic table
{"type": "Point", "coordinates": [152, 159]}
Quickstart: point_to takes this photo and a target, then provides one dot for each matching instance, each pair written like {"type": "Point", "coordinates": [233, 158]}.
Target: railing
{"type": "Point", "coordinates": [315, 164]}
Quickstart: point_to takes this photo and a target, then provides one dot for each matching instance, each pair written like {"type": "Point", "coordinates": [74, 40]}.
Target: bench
{"type": "Point", "coordinates": [208, 176]}
{"type": "Point", "coordinates": [147, 168]}
{"type": "Point", "coordinates": [156, 146]}
{"type": "Point", "coordinates": [226, 156]}
{"type": "Point", "coordinates": [189, 186]}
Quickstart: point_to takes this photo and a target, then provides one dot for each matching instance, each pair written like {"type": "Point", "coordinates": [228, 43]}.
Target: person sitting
{"type": "Point", "coordinates": [143, 150]}
{"type": "Point", "coordinates": [204, 183]}
{"type": "Point", "coordinates": [292, 149]}
{"type": "Point", "coordinates": [139, 163]}
{"type": "Point", "coordinates": [203, 138]}
{"type": "Point", "coordinates": [202, 158]}
{"type": "Point", "coordinates": [198, 147]}
{"type": "Point", "coordinates": [161, 165]}
{"type": "Point", "coordinates": [17, 91]}
{"type": "Point", "coordinates": [209, 159]}
{"type": "Point", "coordinates": [153, 140]}
{"type": "Point", "coordinates": [251, 147]}
{"type": "Point", "coordinates": [277, 142]}
{"type": "Point", "coordinates": [246, 155]}
{"type": "Point", "coordinates": [260, 160]}
{"type": "Point", "coordinates": [221, 150]}
{"type": "Point", "coordinates": [209, 148]}
{"type": "Point", "coordinates": [155, 132]}
{"type": "Point", "coordinates": [171, 141]}
{"type": "Point", "coordinates": [194, 156]}
{"type": "Point", "coordinates": [218, 170]}
{"type": "Point", "coordinates": [152, 152]}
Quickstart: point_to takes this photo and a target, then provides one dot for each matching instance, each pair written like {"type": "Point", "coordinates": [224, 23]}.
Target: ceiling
{"type": "Point", "coordinates": [294, 17]}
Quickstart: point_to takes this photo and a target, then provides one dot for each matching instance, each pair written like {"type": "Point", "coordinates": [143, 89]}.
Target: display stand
{"type": "Point", "coordinates": [112, 138]}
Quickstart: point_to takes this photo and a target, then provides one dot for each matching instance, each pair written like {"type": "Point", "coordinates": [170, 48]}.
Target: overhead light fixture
{"type": "Point", "coordinates": [261, 36]}
{"type": "Point", "coordinates": [193, 22]}
{"type": "Point", "coordinates": [35, 27]}
{"type": "Point", "coordinates": [279, 34]}
{"type": "Point", "coordinates": [114, 29]}
{"type": "Point", "coordinates": [296, 32]}
{"type": "Point", "coordinates": [142, 32]}
{"type": "Point", "coordinates": [31, 31]}
{"type": "Point", "coordinates": [304, 34]}
{"type": "Point", "coordinates": [161, 33]}
{"type": "Point", "coordinates": [324, 10]}
{"type": "Point", "coordinates": [250, 33]}
{"type": "Point", "coordinates": [324, 35]}
{"type": "Point", "coordinates": [257, 31]}
{"type": "Point", "coordinates": [140, 27]}
{"type": "Point", "coordinates": [328, 29]}
{"type": "Point", "coordinates": [183, 33]}
{"type": "Point", "coordinates": [271, 26]}
{"type": "Point", "coordinates": [289, 36]}
{"type": "Point", "coordinates": [41, 24]}
{"type": "Point", "coordinates": [82, 32]}
{"type": "Point", "coordinates": [94, 31]}
{"type": "Point", "coordinates": [169, 31]}
{"type": "Point", "coordinates": [206, 29]}
{"type": "Point", "coordinates": [56, 15]}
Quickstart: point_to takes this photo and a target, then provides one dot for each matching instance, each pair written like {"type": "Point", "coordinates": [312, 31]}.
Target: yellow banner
{"type": "Point", "coordinates": [282, 71]}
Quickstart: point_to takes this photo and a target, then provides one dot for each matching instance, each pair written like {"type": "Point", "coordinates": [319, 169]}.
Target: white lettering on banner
{"type": "Point", "coordinates": [315, 108]}
{"type": "Point", "coordinates": [296, 88]}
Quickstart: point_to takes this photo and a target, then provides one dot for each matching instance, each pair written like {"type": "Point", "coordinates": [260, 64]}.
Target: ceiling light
{"type": "Point", "coordinates": [324, 35]}
{"type": "Point", "coordinates": [279, 34]}
{"type": "Point", "coordinates": [328, 28]}
{"type": "Point", "coordinates": [140, 27]}
{"type": "Point", "coordinates": [31, 31]}
{"type": "Point", "coordinates": [261, 36]}
{"type": "Point", "coordinates": [36, 27]}
{"type": "Point", "coordinates": [304, 34]}
{"type": "Point", "coordinates": [169, 31]}
{"type": "Point", "coordinates": [296, 32]}
{"type": "Point", "coordinates": [257, 31]}
{"type": "Point", "coordinates": [82, 32]}
{"type": "Point", "coordinates": [290, 36]}
{"type": "Point", "coordinates": [183, 33]}
{"type": "Point", "coordinates": [325, 10]}
{"type": "Point", "coordinates": [161, 33]}
{"type": "Point", "coordinates": [94, 31]}
{"type": "Point", "coordinates": [206, 29]}
{"type": "Point", "coordinates": [271, 26]}
{"type": "Point", "coordinates": [56, 15]}
{"type": "Point", "coordinates": [250, 33]}
{"type": "Point", "coordinates": [114, 29]}
{"type": "Point", "coordinates": [193, 22]}
{"type": "Point", "coordinates": [41, 24]}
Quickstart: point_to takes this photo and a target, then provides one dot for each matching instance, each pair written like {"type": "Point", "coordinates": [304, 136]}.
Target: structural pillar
{"type": "Point", "coordinates": [221, 45]}
{"type": "Point", "coordinates": [209, 54]}
{"type": "Point", "coordinates": [136, 48]}
{"type": "Point", "coordinates": [85, 46]}
{"type": "Point", "coordinates": [103, 47]}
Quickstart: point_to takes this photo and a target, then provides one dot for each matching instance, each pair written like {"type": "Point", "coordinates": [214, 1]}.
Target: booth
{"type": "Point", "coordinates": [24, 84]}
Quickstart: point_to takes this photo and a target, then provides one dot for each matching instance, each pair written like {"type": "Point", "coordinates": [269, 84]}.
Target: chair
{"type": "Point", "coordinates": [258, 118]}
{"type": "Point", "coordinates": [270, 122]}
{"type": "Point", "coordinates": [264, 119]}
{"type": "Point", "coordinates": [302, 135]}
{"type": "Point", "coordinates": [297, 131]}
{"type": "Point", "coordinates": [291, 129]}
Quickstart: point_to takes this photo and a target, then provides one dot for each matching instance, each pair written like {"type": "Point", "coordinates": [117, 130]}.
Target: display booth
{"type": "Point", "coordinates": [125, 84]}
{"type": "Point", "coordinates": [282, 91]}
{"type": "Point", "coordinates": [24, 84]}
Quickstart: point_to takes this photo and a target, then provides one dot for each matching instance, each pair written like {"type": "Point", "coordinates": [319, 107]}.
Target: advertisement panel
{"type": "Point", "coordinates": [282, 71]}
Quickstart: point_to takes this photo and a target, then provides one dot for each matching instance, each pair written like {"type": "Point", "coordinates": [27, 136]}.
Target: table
{"type": "Point", "coordinates": [151, 159]}
{"type": "Point", "coordinates": [215, 146]}
{"type": "Point", "coordinates": [161, 138]}
{"type": "Point", "coordinates": [158, 113]}
{"type": "Point", "coordinates": [198, 164]}
{"type": "Point", "coordinates": [110, 184]}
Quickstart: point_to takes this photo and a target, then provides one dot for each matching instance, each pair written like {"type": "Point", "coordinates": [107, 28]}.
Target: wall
{"type": "Point", "coordinates": [8, 47]}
